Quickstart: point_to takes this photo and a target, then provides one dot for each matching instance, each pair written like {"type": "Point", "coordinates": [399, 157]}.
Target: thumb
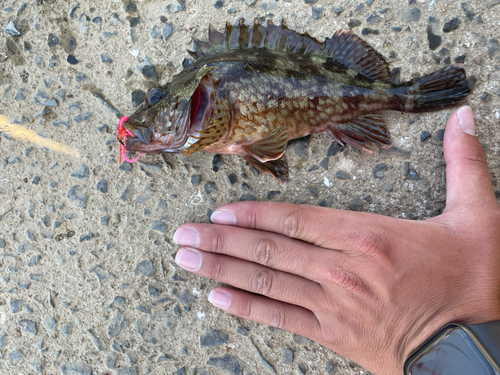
{"type": "Point", "coordinates": [467, 177]}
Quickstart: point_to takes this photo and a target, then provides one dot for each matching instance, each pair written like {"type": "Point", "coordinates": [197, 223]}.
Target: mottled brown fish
{"type": "Point", "coordinates": [252, 89]}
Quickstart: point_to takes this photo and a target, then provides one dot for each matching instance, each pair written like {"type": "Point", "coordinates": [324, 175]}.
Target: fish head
{"type": "Point", "coordinates": [172, 114]}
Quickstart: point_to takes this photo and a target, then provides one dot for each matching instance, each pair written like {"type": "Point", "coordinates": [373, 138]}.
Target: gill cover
{"type": "Point", "coordinates": [175, 105]}
{"type": "Point", "coordinates": [165, 106]}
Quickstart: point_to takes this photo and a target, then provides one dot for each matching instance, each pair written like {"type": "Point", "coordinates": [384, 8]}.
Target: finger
{"type": "Point", "coordinates": [468, 181]}
{"type": "Point", "coordinates": [251, 277]}
{"type": "Point", "coordinates": [268, 249]}
{"type": "Point", "coordinates": [325, 227]}
{"type": "Point", "coordinates": [267, 311]}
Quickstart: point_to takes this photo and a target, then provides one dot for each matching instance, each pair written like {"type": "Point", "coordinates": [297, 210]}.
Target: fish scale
{"type": "Point", "coordinates": [299, 109]}
{"type": "Point", "coordinates": [252, 89]}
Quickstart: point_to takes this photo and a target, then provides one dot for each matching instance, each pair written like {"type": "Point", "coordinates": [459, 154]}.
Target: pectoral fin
{"type": "Point", "coordinates": [278, 168]}
{"type": "Point", "coordinates": [366, 129]}
{"type": "Point", "coordinates": [270, 147]}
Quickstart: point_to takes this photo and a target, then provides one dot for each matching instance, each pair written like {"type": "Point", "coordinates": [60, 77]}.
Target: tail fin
{"type": "Point", "coordinates": [443, 89]}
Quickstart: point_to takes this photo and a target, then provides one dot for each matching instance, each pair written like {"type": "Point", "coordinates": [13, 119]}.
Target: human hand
{"type": "Point", "coordinates": [369, 287]}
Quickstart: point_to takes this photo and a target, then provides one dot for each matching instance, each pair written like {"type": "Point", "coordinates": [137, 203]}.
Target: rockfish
{"type": "Point", "coordinates": [252, 89]}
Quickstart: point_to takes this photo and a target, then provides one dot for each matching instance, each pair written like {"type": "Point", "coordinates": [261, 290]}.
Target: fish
{"type": "Point", "coordinates": [251, 89]}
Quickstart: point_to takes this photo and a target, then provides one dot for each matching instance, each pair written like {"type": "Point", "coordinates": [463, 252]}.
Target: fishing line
{"type": "Point", "coordinates": [123, 133]}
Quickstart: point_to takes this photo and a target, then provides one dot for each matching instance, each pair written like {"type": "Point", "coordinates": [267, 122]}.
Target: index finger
{"type": "Point", "coordinates": [325, 227]}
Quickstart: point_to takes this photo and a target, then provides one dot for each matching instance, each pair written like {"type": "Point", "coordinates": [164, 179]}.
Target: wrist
{"type": "Point", "coordinates": [460, 317]}
{"type": "Point", "coordinates": [459, 349]}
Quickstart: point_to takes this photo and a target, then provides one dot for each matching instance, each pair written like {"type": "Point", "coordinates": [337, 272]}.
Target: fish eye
{"type": "Point", "coordinates": [154, 95]}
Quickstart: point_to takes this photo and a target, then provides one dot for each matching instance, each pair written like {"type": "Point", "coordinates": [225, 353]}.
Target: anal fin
{"type": "Point", "coordinates": [271, 147]}
{"type": "Point", "coordinates": [365, 129]}
{"type": "Point", "coordinates": [278, 168]}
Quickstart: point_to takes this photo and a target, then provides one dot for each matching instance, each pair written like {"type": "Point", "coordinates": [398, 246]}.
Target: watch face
{"type": "Point", "coordinates": [451, 353]}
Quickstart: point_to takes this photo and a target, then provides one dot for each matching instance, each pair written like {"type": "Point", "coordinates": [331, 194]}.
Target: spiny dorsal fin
{"type": "Point", "coordinates": [217, 39]}
{"type": "Point", "coordinates": [344, 50]}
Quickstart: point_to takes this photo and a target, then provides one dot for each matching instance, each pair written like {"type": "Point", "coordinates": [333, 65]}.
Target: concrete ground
{"type": "Point", "coordinates": [88, 284]}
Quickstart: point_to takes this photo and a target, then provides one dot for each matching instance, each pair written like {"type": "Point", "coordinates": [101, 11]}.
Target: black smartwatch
{"type": "Point", "coordinates": [458, 349]}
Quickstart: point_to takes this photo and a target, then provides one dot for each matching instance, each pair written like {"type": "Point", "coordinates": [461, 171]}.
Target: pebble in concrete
{"type": "Point", "coordinates": [451, 25]}
{"type": "Point", "coordinates": [195, 180]}
{"type": "Point", "coordinates": [66, 329]}
{"type": "Point", "coordinates": [183, 296]}
{"type": "Point", "coordinates": [127, 371]}
{"type": "Point", "coordinates": [82, 117]}
{"type": "Point", "coordinates": [98, 343]}
{"type": "Point", "coordinates": [469, 13]}
{"type": "Point", "coordinates": [15, 306]}
{"type": "Point", "coordinates": [75, 369]}
{"type": "Point", "coordinates": [16, 356]}
{"type": "Point", "coordinates": [217, 163]}
{"type": "Point", "coordinates": [342, 175]}
{"type": "Point", "coordinates": [27, 326]}
{"type": "Point", "coordinates": [53, 40]}
{"type": "Point", "coordinates": [210, 187]}
{"type": "Point", "coordinates": [229, 363]}
{"type": "Point", "coordinates": [145, 268]}
{"type": "Point", "coordinates": [34, 260]}
{"type": "Point", "coordinates": [102, 186]}
{"type": "Point", "coordinates": [317, 12]}
{"type": "Point", "coordinates": [19, 95]}
{"type": "Point", "coordinates": [439, 135]}
{"type": "Point", "coordinates": [219, 4]}
{"type": "Point", "coordinates": [247, 197]}
{"type": "Point", "coordinates": [36, 365]}
{"type": "Point", "coordinates": [118, 322]}
{"type": "Point", "coordinates": [49, 323]}
{"type": "Point", "coordinates": [168, 29]}
{"type": "Point", "coordinates": [11, 29]}
{"type": "Point", "coordinates": [412, 15]}
{"type": "Point", "coordinates": [77, 195]}
{"type": "Point", "coordinates": [72, 60]}
{"type": "Point", "coordinates": [413, 174]}
{"type": "Point", "coordinates": [106, 59]}
{"type": "Point", "coordinates": [213, 337]}
{"type": "Point", "coordinates": [425, 135]}
{"type": "Point", "coordinates": [80, 172]}
{"type": "Point", "coordinates": [331, 368]}
{"type": "Point", "coordinates": [153, 292]}
{"type": "Point", "coordinates": [380, 170]}
{"type": "Point", "coordinates": [137, 97]}
{"type": "Point", "coordinates": [287, 356]}
{"type": "Point", "coordinates": [102, 274]}
{"type": "Point", "coordinates": [338, 10]}
{"type": "Point", "coordinates": [158, 226]}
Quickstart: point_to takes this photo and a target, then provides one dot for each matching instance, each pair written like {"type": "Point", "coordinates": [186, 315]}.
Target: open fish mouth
{"type": "Point", "coordinates": [173, 135]}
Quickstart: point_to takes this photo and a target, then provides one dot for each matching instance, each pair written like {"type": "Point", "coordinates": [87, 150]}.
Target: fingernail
{"type": "Point", "coordinates": [219, 299]}
{"type": "Point", "coordinates": [223, 217]}
{"type": "Point", "coordinates": [466, 120]}
{"type": "Point", "coordinates": [188, 259]}
{"type": "Point", "coordinates": [187, 237]}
